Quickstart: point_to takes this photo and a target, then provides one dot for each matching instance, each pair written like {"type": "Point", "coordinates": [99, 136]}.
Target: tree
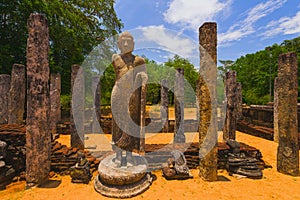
{"type": "Point", "coordinates": [257, 71]}
{"type": "Point", "coordinates": [75, 28]}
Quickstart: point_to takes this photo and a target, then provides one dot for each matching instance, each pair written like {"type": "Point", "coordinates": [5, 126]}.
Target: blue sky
{"type": "Point", "coordinates": [168, 27]}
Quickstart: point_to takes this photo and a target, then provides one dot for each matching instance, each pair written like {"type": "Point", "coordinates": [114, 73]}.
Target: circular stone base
{"type": "Point", "coordinates": [122, 182]}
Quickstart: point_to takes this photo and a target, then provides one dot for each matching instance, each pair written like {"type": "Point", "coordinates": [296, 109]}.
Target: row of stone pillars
{"type": "Point", "coordinates": [38, 134]}
{"type": "Point", "coordinates": [12, 98]}
{"type": "Point", "coordinates": [285, 112]}
{"type": "Point", "coordinates": [13, 95]}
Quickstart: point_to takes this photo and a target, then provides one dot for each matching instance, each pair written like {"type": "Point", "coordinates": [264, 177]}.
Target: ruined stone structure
{"type": "Point", "coordinates": [17, 93]}
{"type": "Point", "coordinates": [77, 107]}
{"type": "Point", "coordinates": [179, 136]}
{"type": "Point", "coordinates": [164, 105]}
{"type": "Point", "coordinates": [240, 164]}
{"type": "Point", "coordinates": [38, 136]}
{"type": "Point", "coordinates": [229, 128]}
{"type": "Point", "coordinates": [4, 97]}
{"type": "Point", "coordinates": [55, 114]}
{"type": "Point", "coordinates": [287, 91]}
{"type": "Point", "coordinates": [207, 101]}
{"type": "Point", "coordinates": [176, 167]}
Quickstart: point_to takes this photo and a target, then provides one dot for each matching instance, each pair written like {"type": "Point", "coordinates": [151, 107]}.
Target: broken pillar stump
{"type": "Point", "coordinates": [287, 91]}
{"type": "Point", "coordinates": [38, 135]}
{"type": "Point", "coordinates": [17, 95]}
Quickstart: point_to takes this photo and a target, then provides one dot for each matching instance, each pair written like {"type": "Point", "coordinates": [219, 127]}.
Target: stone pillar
{"type": "Point", "coordinates": [4, 97]}
{"type": "Point", "coordinates": [17, 95]}
{"type": "Point", "coordinates": [207, 99]}
{"type": "Point", "coordinates": [239, 102]}
{"type": "Point", "coordinates": [275, 111]}
{"type": "Point", "coordinates": [77, 107]}
{"type": "Point", "coordinates": [287, 91]}
{"type": "Point", "coordinates": [179, 136]}
{"type": "Point", "coordinates": [38, 136]}
{"type": "Point", "coordinates": [164, 105]}
{"type": "Point", "coordinates": [229, 128]}
{"type": "Point", "coordinates": [55, 114]}
{"type": "Point", "coordinates": [97, 103]}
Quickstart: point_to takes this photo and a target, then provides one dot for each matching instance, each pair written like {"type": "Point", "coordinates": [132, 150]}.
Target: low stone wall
{"type": "Point", "coordinates": [15, 138]}
{"type": "Point", "coordinates": [262, 115]}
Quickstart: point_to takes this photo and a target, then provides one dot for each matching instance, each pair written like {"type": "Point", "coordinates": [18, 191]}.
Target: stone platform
{"type": "Point", "coordinates": [122, 182]}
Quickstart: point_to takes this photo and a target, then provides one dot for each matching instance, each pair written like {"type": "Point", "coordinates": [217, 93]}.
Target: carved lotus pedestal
{"type": "Point", "coordinates": [122, 182]}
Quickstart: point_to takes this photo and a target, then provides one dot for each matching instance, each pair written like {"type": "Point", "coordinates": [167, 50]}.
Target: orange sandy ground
{"type": "Point", "coordinates": [274, 185]}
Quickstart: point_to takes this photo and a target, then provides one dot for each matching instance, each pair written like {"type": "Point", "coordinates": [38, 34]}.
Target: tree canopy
{"type": "Point", "coordinates": [75, 28]}
{"type": "Point", "coordinates": [257, 71]}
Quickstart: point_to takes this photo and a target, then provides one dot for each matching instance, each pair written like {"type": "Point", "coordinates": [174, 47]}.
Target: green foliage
{"type": "Point", "coordinates": [257, 71]}
{"type": "Point", "coordinates": [65, 102]}
{"type": "Point", "coordinates": [190, 75]}
{"type": "Point", "coordinates": [156, 73]}
{"type": "Point", "coordinates": [107, 82]}
{"type": "Point", "coordinates": [75, 28]}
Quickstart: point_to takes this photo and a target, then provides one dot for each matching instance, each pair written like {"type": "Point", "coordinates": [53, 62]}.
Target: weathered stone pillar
{"type": "Point", "coordinates": [275, 111]}
{"type": "Point", "coordinates": [287, 89]}
{"type": "Point", "coordinates": [239, 101]}
{"type": "Point", "coordinates": [4, 97]}
{"type": "Point", "coordinates": [38, 136]}
{"type": "Point", "coordinates": [179, 136]}
{"type": "Point", "coordinates": [55, 114]}
{"type": "Point", "coordinates": [77, 107]}
{"type": "Point", "coordinates": [207, 99]}
{"type": "Point", "coordinates": [164, 105]}
{"type": "Point", "coordinates": [97, 103]}
{"type": "Point", "coordinates": [229, 128]}
{"type": "Point", "coordinates": [17, 95]}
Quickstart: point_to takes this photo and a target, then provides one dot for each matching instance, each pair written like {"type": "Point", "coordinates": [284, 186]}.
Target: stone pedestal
{"type": "Point", "coordinates": [207, 99]}
{"type": "Point", "coordinates": [287, 91]}
{"type": "Point", "coordinates": [4, 97]}
{"type": "Point", "coordinates": [122, 182]}
{"type": "Point", "coordinates": [38, 136]}
{"type": "Point", "coordinates": [17, 95]}
{"type": "Point", "coordinates": [179, 136]}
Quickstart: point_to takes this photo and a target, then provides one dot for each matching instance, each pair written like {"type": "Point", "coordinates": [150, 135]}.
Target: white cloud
{"type": "Point", "coordinates": [169, 40]}
{"type": "Point", "coordinates": [285, 25]}
{"type": "Point", "coordinates": [246, 26]}
{"type": "Point", "coordinates": [193, 13]}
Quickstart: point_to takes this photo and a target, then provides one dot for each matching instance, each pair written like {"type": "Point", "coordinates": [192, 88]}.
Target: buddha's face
{"type": "Point", "coordinates": [125, 43]}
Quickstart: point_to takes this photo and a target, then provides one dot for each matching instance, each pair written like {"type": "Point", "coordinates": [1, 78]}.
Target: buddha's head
{"type": "Point", "coordinates": [125, 42]}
